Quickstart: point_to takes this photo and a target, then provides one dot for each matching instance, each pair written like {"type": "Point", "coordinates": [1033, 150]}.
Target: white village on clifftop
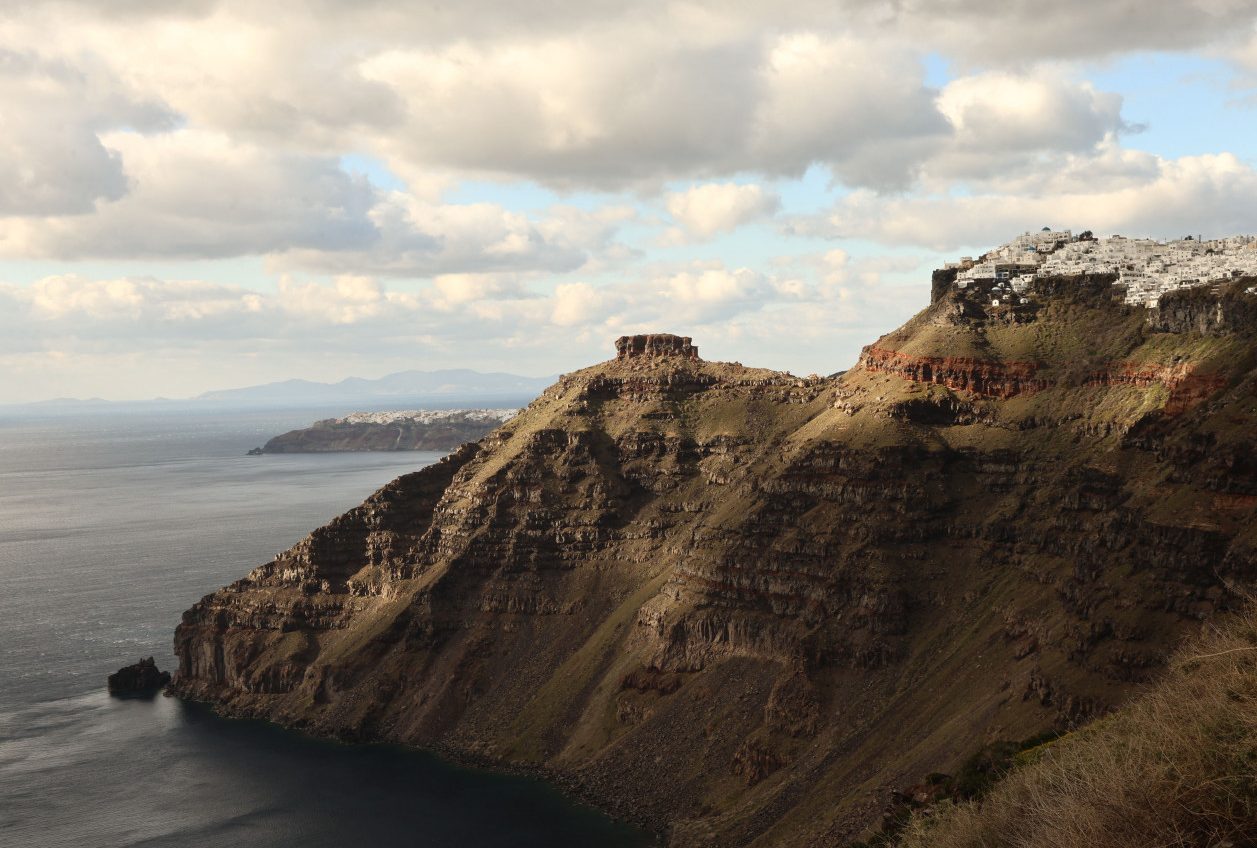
{"type": "Point", "coordinates": [427, 416]}
{"type": "Point", "coordinates": [1145, 268]}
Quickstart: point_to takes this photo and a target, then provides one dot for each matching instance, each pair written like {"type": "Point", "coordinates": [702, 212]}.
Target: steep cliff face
{"type": "Point", "coordinates": [741, 606]}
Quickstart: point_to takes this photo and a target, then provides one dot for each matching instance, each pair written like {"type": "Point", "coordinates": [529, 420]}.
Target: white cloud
{"type": "Point", "coordinates": [717, 288]}
{"type": "Point", "coordinates": [576, 303]}
{"type": "Point", "coordinates": [1006, 124]}
{"type": "Point", "coordinates": [417, 238]}
{"type": "Point", "coordinates": [575, 96]}
{"type": "Point", "coordinates": [194, 194]}
{"type": "Point", "coordinates": [594, 93]}
{"type": "Point", "coordinates": [76, 313]}
{"type": "Point", "coordinates": [52, 157]}
{"type": "Point", "coordinates": [1014, 111]}
{"type": "Point", "coordinates": [713, 208]}
{"type": "Point", "coordinates": [1017, 32]}
{"type": "Point", "coordinates": [1193, 194]}
{"type": "Point", "coordinates": [620, 105]}
{"type": "Point", "coordinates": [199, 194]}
{"type": "Point", "coordinates": [453, 290]}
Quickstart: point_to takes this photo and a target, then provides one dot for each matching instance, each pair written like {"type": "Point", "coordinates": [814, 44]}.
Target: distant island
{"type": "Point", "coordinates": [409, 430]}
{"type": "Point", "coordinates": [457, 387]}
{"type": "Point", "coordinates": [395, 390]}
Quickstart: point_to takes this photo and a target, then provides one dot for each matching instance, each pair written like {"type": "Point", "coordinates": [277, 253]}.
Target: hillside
{"type": "Point", "coordinates": [740, 606]}
{"type": "Point", "coordinates": [1173, 768]}
{"type": "Point", "coordinates": [425, 430]}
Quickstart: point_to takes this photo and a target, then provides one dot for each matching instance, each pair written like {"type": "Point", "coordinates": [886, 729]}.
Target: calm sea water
{"type": "Point", "coordinates": [109, 529]}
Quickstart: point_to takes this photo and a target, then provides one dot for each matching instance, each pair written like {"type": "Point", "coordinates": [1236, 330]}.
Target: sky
{"type": "Point", "coordinates": [204, 194]}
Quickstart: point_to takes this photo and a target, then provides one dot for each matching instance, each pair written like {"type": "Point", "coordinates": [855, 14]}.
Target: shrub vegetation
{"type": "Point", "coordinates": [1175, 767]}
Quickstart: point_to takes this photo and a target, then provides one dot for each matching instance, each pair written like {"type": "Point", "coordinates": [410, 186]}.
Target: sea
{"type": "Point", "coordinates": [110, 526]}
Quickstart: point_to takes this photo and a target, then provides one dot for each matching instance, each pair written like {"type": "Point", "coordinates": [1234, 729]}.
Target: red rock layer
{"type": "Point", "coordinates": [984, 377]}
{"type": "Point", "coordinates": [1003, 380]}
{"type": "Point", "coordinates": [1188, 389]}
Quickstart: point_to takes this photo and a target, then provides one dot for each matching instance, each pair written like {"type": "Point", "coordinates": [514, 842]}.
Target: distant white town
{"type": "Point", "coordinates": [427, 416]}
{"type": "Point", "coordinates": [1145, 268]}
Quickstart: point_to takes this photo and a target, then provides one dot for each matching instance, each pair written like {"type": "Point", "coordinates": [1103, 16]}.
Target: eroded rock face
{"type": "Point", "coordinates": [735, 604]}
{"type": "Point", "coordinates": [1004, 380]}
{"type": "Point", "coordinates": [987, 378]}
{"type": "Point", "coordinates": [653, 345]}
{"type": "Point", "coordinates": [1212, 310]}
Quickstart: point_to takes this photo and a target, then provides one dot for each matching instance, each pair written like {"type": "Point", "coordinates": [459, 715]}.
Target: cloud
{"type": "Point", "coordinates": [713, 294]}
{"type": "Point", "coordinates": [213, 129]}
{"type": "Point", "coordinates": [415, 238]}
{"type": "Point", "coordinates": [53, 160]}
{"type": "Point", "coordinates": [1193, 194]}
{"type": "Point", "coordinates": [149, 313]}
{"type": "Point", "coordinates": [1005, 124]}
{"type": "Point", "coordinates": [1018, 32]}
{"type": "Point", "coordinates": [577, 303]}
{"type": "Point", "coordinates": [855, 104]}
{"type": "Point", "coordinates": [595, 94]}
{"type": "Point", "coordinates": [705, 210]}
{"type": "Point", "coordinates": [198, 194]}
{"type": "Point", "coordinates": [619, 106]}
{"type": "Point", "coordinates": [1008, 31]}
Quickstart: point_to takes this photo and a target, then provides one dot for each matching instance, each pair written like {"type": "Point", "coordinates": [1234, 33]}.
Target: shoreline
{"type": "Point", "coordinates": [566, 785]}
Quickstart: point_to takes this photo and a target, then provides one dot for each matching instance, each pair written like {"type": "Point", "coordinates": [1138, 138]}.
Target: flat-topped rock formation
{"type": "Point", "coordinates": [739, 605]}
{"type": "Point", "coordinates": [652, 345]}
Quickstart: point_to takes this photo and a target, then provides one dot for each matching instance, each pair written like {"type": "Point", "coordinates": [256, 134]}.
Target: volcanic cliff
{"type": "Point", "coordinates": [740, 606]}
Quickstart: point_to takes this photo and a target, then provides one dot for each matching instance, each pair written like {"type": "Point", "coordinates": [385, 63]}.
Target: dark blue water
{"type": "Point", "coordinates": [109, 529]}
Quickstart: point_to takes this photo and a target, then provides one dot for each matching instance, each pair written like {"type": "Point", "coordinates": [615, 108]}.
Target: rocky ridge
{"type": "Point", "coordinates": [739, 606]}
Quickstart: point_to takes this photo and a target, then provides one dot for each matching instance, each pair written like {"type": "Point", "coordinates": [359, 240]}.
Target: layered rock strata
{"type": "Point", "coordinates": [655, 344]}
{"type": "Point", "coordinates": [737, 605]}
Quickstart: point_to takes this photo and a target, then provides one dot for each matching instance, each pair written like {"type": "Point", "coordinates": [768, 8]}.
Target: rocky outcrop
{"type": "Point", "coordinates": [1217, 310]}
{"type": "Point", "coordinates": [737, 605]}
{"type": "Point", "coordinates": [1186, 387]}
{"type": "Point", "coordinates": [142, 678]}
{"type": "Point", "coordinates": [941, 282]}
{"type": "Point", "coordinates": [1004, 380]}
{"type": "Point", "coordinates": [655, 344]}
{"type": "Point", "coordinates": [981, 377]}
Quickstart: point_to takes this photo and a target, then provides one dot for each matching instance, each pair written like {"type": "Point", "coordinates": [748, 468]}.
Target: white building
{"type": "Point", "coordinates": [1145, 269]}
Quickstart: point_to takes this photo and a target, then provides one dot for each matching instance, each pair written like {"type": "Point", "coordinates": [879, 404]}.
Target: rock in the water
{"type": "Point", "coordinates": [142, 678]}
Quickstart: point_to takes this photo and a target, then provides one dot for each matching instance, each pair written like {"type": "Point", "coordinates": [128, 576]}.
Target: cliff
{"type": "Point", "coordinates": [742, 606]}
{"type": "Point", "coordinates": [427, 430]}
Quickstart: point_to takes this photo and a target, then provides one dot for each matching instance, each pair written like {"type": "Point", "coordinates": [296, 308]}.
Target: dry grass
{"type": "Point", "coordinates": [1176, 767]}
